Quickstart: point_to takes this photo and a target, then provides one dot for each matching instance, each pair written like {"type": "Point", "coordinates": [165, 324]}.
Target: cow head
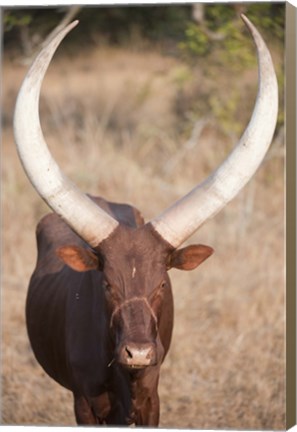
{"type": "Point", "coordinates": [135, 262]}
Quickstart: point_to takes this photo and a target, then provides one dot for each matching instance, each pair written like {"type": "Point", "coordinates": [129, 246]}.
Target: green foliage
{"type": "Point", "coordinates": [181, 75]}
{"type": "Point", "coordinates": [196, 41]}
{"type": "Point", "coordinates": [236, 48]}
{"type": "Point", "coordinates": [13, 19]}
{"type": "Point", "coordinates": [221, 42]}
{"type": "Point", "coordinates": [270, 17]}
{"type": "Point", "coordinates": [118, 24]}
{"type": "Point", "coordinates": [217, 15]}
{"type": "Point", "coordinates": [225, 111]}
{"type": "Point", "coordinates": [223, 32]}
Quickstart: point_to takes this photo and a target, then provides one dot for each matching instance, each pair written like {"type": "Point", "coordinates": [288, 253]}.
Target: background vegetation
{"type": "Point", "coordinates": [216, 38]}
{"type": "Point", "coordinates": [117, 25]}
{"type": "Point", "coordinates": [139, 105]}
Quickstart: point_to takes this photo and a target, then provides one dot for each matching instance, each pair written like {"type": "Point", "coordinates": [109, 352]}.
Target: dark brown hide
{"type": "Point", "coordinates": [100, 320]}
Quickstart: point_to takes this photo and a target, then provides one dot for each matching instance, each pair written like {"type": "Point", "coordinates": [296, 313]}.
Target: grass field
{"type": "Point", "coordinates": [111, 118]}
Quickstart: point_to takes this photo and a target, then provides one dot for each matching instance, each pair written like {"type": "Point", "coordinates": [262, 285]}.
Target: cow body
{"type": "Point", "coordinates": [69, 328]}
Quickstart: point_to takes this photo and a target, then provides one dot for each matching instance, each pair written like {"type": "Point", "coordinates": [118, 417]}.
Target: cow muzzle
{"type": "Point", "coordinates": [137, 356]}
{"type": "Point", "coordinates": [136, 328]}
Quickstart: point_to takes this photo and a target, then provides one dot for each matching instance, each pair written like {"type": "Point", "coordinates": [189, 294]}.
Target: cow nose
{"type": "Point", "coordinates": [138, 356]}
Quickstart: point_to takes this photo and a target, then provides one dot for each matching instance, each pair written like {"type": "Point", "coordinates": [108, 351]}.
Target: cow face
{"type": "Point", "coordinates": [134, 262]}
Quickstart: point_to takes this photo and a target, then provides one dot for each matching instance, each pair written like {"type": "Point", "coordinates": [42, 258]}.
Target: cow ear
{"type": "Point", "coordinates": [78, 258]}
{"type": "Point", "coordinates": [189, 257]}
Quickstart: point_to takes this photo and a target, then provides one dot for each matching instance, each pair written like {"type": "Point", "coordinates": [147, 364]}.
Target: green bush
{"type": "Point", "coordinates": [12, 20]}
{"type": "Point", "coordinates": [196, 41]}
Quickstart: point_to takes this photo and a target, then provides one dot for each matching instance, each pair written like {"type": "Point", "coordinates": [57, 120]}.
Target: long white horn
{"type": "Point", "coordinates": [88, 220]}
{"type": "Point", "coordinates": [185, 216]}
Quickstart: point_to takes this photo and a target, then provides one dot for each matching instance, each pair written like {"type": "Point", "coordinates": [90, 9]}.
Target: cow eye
{"type": "Point", "coordinates": [158, 292]}
{"type": "Point", "coordinates": [106, 286]}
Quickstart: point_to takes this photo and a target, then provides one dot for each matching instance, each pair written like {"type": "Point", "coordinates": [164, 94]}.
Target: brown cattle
{"type": "Point", "coordinates": [102, 324]}
{"type": "Point", "coordinates": [99, 307]}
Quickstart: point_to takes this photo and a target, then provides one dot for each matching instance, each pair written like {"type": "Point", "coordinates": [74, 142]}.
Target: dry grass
{"type": "Point", "coordinates": [109, 119]}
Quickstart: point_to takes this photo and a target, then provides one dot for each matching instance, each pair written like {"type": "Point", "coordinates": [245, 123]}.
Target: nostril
{"type": "Point", "coordinates": [128, 351]}
{"type": "Point", "coordinates": [137, 356]}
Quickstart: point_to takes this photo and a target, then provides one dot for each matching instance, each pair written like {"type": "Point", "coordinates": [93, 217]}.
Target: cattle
{"type": "Point", "coordinates": [99, 308]}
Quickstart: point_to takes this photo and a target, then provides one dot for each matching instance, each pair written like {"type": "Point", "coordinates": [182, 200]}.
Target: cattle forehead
{"type": "Point", "coordinates": [134, 243]}
{"type": "Point", "coordinates": [134, 255]}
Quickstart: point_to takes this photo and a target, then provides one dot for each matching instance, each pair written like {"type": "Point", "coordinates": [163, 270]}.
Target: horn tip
{"type": "Point", "coordinates": [252, 29]}
{"type": "Point", "coordinates": [245, 19]}
{"type": "Point", "coordinates": [73, 24]}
